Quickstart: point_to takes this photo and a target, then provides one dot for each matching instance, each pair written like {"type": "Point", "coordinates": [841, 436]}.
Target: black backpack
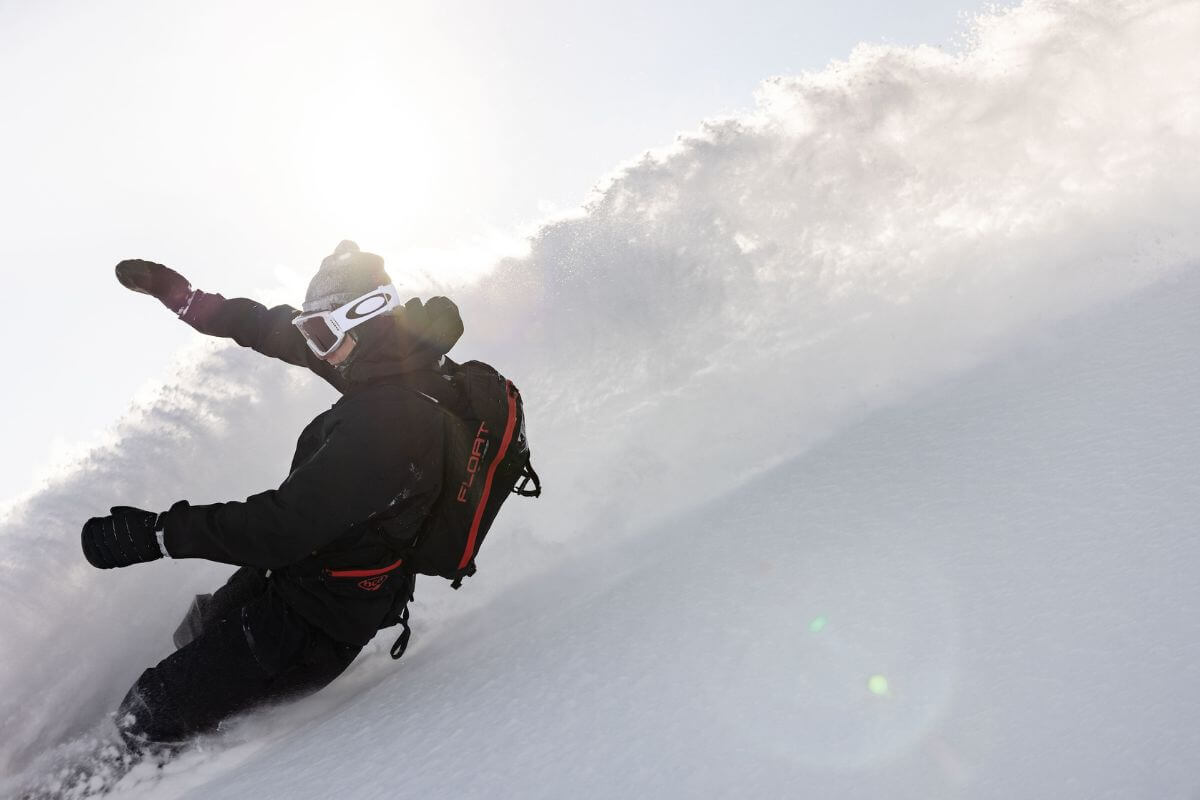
{"type": "Point", "coordinates": [486, 460]}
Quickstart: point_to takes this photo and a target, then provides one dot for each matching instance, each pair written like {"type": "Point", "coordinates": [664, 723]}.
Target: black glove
{"type": "Point", "coordinates": [127, 536]}
{"type": "Point", "coordinates": [436, 325]}
{"type": "Point", "coordinates": [147, 277]}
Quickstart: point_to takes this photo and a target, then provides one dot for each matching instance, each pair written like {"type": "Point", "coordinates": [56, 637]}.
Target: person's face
{"type": "Point", "coordinates": [342, 352]}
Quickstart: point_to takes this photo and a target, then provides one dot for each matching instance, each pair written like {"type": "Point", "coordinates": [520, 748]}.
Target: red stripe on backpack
{"type": "Point", "coordinates": [509, 425]}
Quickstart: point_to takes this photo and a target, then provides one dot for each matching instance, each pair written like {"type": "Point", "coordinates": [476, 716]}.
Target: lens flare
{"type": "Point", "coordinates": [878, 685]}
{"type": "Point", "coordinates": [818, 624]}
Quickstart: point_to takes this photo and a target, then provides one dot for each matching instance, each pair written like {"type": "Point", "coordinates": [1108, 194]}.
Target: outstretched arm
{"type": "Point", "coordinates": [361, 468]}
{"type": "Point", "coordinates": [249, 323]}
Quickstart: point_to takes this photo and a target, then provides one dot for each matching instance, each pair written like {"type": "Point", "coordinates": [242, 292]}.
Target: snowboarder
{"type": "Point", "coordinates": [282, 626]}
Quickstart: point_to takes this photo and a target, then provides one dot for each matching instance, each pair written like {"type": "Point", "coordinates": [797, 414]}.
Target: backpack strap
{"type": "Point", "coordinates": [402, 642]}
{"type": "Point", "coordinates": [404, 597]}
{"type": "Point", "coordinates": [528, 475]}
{"type": "Point", "coordinates": [465, 573]}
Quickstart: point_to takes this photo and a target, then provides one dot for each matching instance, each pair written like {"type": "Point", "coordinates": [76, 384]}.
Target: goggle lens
{"type": "Point", "coordinates": [317, 331]}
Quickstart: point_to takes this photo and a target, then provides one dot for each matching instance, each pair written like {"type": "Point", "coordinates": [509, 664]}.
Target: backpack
{"type": "Point", "coordinates": [486, 459]}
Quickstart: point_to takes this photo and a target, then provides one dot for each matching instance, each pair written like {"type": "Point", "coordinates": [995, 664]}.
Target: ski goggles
{"type": "Point", "coordinates": [326, 330]}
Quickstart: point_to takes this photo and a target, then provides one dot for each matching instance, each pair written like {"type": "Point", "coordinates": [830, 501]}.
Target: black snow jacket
{"type": "Point", "coordinates": [377, 451]}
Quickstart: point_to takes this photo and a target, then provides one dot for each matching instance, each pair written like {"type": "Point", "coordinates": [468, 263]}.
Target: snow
{"type": "Point", "coordinates": [868, 434]}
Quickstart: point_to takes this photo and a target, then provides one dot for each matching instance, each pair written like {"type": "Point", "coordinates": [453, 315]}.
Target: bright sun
{"type": "Point", "coordinates": [366, 152]}
{"type": "Point", "coordinates": [376, 158]}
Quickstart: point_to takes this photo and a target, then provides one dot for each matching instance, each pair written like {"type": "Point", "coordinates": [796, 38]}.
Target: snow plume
{"type": "Point", "coordinates": [719, 306]}
{"type": "Point", "coordinates": [75, 638]}
{"type": "Point", "coordinates": [868, 228]}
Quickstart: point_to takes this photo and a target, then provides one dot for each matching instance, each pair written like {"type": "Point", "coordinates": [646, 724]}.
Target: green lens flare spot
{"type": "Point", "coordinates": [818, 624]}
{"type": "Point", "coordinates": [878, 685]}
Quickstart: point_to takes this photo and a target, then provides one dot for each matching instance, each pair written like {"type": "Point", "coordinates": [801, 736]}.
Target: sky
{"type": "Point", "coordinates": [239, 143]}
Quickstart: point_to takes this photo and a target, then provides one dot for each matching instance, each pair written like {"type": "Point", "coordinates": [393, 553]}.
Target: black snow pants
{"type": "Point", "coordinates": [241, 648]}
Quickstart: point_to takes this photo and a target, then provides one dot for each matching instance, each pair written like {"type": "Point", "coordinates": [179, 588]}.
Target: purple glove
{"type": "Point", "coordinates": [147, 277]}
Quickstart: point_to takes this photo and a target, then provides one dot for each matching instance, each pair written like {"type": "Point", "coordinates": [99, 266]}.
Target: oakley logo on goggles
{"type": "Point", "coordinates": [326, 330]}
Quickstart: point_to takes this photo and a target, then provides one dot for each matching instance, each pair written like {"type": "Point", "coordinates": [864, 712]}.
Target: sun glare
{"type": "Point", "coordinates": [381, 154]}
{"type": "Point", "coordinates": [365, 152]}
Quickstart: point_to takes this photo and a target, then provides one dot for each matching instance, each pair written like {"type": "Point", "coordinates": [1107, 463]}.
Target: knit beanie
{"type": "Point", "coordinates": [345, 274]}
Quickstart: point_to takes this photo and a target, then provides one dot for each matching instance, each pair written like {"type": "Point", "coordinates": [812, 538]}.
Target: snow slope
{"type": "Point", "coordinates": [889, 379]}
{"type": "Point", "coordinates": [1014, 550]}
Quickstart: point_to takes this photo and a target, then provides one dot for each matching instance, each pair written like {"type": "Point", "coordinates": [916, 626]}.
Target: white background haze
{"type": "Point", "coordinates": [867, 423]}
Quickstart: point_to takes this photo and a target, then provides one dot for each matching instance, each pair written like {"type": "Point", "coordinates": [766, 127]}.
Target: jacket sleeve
{"type": "Point", "coordinates": [251, 324]}
{"type": "Point", "coordinates": [359, 470]}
